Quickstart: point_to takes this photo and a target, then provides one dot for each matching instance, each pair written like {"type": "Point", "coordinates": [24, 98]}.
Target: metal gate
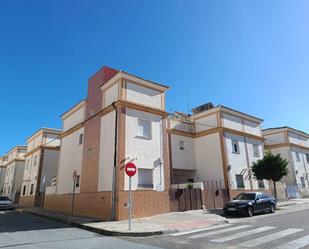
{"type": "Point", "coordinates": [215, 194]}
{"type": "Point", "coordinates": [187, 199]}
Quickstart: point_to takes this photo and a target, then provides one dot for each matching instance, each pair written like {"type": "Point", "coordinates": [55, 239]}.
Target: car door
{"type": "Point", "coordinates": [258, 206]}
{"type": "Point", "coordinates": [266, 201]}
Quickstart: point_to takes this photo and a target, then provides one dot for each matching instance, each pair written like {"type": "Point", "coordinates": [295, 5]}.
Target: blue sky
{"type": "Point", "coordinates": [249, 55]}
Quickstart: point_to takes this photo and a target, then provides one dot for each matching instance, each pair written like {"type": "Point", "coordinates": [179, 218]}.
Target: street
{"type": "Point", "coordinates": [288, 228]}
{"type": "Point", "coordinates": [23, 231]}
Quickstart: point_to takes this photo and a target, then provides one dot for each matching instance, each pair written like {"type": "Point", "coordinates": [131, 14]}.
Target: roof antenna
{"type": "Point", "coordinates": [188, 102]}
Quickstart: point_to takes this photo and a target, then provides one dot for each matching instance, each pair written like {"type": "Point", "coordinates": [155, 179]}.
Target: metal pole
{"type": "Point", "coordinates": [130, 204]}
{"type": "Point", "coordinates": [73, 198]}
{"type": "Point", "coordinates": [114, 179]}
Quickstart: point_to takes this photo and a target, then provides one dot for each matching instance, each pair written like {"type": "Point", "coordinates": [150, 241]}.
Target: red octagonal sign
{"type": "Point", "coordinates": [130, 169]}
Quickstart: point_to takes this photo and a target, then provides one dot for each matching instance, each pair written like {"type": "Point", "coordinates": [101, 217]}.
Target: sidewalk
{"type": "Point", "coordinates": [293, 202]}
{"type": "Point", "coordinates": [154, 225]}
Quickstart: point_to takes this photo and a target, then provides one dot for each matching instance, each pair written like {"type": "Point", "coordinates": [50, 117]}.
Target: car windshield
{"type": "Point", "coordinates": [246, 196]}
{"type": "Point", "coordinates": [4, 198]}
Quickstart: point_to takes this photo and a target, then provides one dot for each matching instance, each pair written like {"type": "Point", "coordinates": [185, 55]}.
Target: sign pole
{"type": "Point", "coordinates": [73, 194]}
{"type": "Point", "coordinates": [130, 203]}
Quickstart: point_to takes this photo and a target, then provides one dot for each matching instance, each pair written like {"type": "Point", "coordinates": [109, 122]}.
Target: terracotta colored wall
{"type": "Point", "coordinates": [91, 204]}
{"type": "Point", "coordinates": [27, 201]}
{"type": "Point", "coordinates": [91, 149]}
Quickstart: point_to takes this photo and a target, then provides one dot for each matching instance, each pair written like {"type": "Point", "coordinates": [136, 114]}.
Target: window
{"type": "Point", "coordinates": [307, 158]}
{"type": "Point", "coordinates": [297, 156]}
{"type": "Point", "coordinates": [28, 163]}
{"type": "Point", "coordinates": [31, 189]}
{"type": "Point", "coordinates": [81, 137]}
{"type": "Point", "coordinates": [256, 150]}
{"type": "Point", "coordinates": [261, 184]}
{"type": "Point", "coordinates": [240, 181]}
{"type": "Point", "coordinates": [35, 160]}
{"type": "Point", "coordinates": [77, 181]}
{"type": "Point", "coordinates": [144, 129]}
{"type": "Point", "coordinates": [9, 190]}
{"type": "Point", "coordinates": [235, 146]}
{"type": "Point", "coordinates": [302, 180]}
{"type": "Point", "coordinates": [145, 179]}
{"type": "Point", "coordinates": [24, 190]}
{"type": "Point", "coordinates": [182, 145]}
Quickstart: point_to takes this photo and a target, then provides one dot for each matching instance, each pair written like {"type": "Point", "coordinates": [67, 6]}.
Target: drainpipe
{"type": "Point", "coordinates": [114, 195]}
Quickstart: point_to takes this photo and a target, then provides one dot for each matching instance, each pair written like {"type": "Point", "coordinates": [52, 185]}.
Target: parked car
{"type": "Point", "coordinates": [5, 202]}
{"type": "Point", "coordinates": [250, 203]}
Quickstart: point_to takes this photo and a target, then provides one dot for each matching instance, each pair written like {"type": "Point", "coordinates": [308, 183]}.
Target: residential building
{"type": "Point", "coordinates": [216, 144]}
{"type": "Point", "coordinates": [122, 120]}
{"type": "Point", "coordinates": [41, 165]}
{"type": "Point", "coordinates": [14, 172]}
{"type": "Point", "coordinates": [3, 162]}
{"type": "Point", "coordinates": [293, 145]}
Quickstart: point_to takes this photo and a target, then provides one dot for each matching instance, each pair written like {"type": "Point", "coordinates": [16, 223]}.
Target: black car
{"type": "Point", "coordinates": [250, 203]}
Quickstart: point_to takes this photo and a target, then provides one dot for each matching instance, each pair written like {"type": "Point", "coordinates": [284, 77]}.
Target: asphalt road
{"type": "Point", "coordinates": [24, 231]}
{"type": "Point", "coordinates": [288, 228]}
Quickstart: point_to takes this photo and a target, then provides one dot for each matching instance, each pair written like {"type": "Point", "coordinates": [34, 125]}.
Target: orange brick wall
{"type": "Point", "coordinates": [27, 201]}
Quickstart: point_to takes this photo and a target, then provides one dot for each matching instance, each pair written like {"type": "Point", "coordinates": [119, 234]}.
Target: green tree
{"type": "Point", "coordinates": [270, 167]}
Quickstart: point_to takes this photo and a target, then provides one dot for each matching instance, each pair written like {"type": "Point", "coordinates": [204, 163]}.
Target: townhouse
{"type": "Point", "coordinates": [41, 165]}
{"type": "Point", "coordinates": [14, 172]}
{"type": "Point", "coordinates": [3, 161]}
{"type": "Point", "coordinates": [293, 145]}
{"type": "Point", "coordinates": [216, 144]}
{"type": "Point", "coordinates": [122, 120]}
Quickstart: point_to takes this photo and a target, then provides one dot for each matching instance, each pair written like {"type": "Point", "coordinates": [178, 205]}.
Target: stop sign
{"type": "Point", "coordinates": [130, 169]}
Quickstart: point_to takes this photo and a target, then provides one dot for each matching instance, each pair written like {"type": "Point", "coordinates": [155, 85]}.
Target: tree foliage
{"type": "Point", "coordinates": [270, 167]}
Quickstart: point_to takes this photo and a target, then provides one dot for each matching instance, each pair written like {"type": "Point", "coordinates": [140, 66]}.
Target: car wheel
{"type": "Point", "coordinates": [250, 211]}
{"type": "Point", "coordinates": [272, 208]}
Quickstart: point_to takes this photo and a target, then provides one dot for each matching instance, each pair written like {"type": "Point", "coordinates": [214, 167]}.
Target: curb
{"type": "Point", "coordinates": [94, 229]}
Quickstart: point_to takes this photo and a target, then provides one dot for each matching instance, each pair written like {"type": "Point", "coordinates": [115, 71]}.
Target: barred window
{"type": "Point", "coordinates": [145, 178]}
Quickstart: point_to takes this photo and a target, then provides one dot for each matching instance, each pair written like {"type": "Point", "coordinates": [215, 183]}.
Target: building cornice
{"type": "Point", "coordinates": [274, 146]}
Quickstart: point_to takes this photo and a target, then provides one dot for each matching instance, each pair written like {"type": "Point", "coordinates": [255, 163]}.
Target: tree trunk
{"type": "Point", "coordinates": [275, 189]}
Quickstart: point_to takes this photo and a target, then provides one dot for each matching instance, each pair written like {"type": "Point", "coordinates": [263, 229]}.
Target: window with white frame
{"type": "Point", "coordinates": [182, 145]}
{"type": "Point", "coordinates": [35, 160]}
{"type": "Point", "coordinates": [307, 158]}
{"type": "Point", "coordinates": [256, 150]}
{"type": "Point", "coordinates": [302, 181]}
{"type": "Point", "coordinates": [144, 129]}
{"type": "Point", "coordinates": [31, 189]}
{"type": "Point", "coordinates": [261, 184]}
{"type": "Point", "coordinates": [80, 139]}
{"type": "Point", "coordinates": [145, 178]}
{"type": "Point", "coordinates": [235, 146]}
{"type": "Point", "coordinates": [297, 155]}
{"type": "Point", "coordinates": [240, 181]}
{"type": "Point", "coordinates": [28, 163]}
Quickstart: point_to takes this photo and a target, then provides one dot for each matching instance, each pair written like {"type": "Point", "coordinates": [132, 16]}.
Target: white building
{"type": "Point", "coordinates": [293, 145]}
{"type": "Point", "coordinates": [3, 162]}
{"type": "Point", "coordinates": [41, 165]}
{"type": "Point", "coordinates": [216, 144]}
{"type": "Point", "coordinates": [14, 172]}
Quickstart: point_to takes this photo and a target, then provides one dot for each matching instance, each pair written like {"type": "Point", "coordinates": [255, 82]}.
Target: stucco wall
{"type": "Point", "coordinates": [111, 95]}
{"type": "Point", "coordinates": [70, 160]}
{"type": "Point", "coordinates": [277, 138]}
{"type": "Point", "coordinates": [74, 119]}
{"type": "Point", "coordinates": [206, 123]}
{"type": "Point", "coordinates": [50, 167]}
{"type": "Point", "coordinates": [142, 95]}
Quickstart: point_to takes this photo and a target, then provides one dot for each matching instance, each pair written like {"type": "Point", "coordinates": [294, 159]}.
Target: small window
{"type": "Point", "coordinates": [256, 150]}
{"type": "Point", "coordinates": [31, 189]}
{"type": "Point", "coordinates": [24, 189]}
{"type": "Point", "coordinates": [35, 160]}
{"type": "Point", "coordinates": [297, 155]}
{"type": "Point", "coordinates": [307, 158]}
{"type": "Point", "coordinates": [261, 184]}
{"type": "Point", "coordinates": [81, 137]}
{"type": "Point", "coordinates": [28, 163]}
{"type": "Point", "coordinates": [144, 129]}
{"type": "Point", "coordinates": [145, 179]}
{"type": "Point", "coordinates": [240, 181]}
{"type": "Point", "coordinates": [77, 181]}
{"type": "Point", "coordinates": [182, 145]}
{"type": "Point", "coordinates": [302, 180]}
{"type": "Point", "coordinates": [235, 146]}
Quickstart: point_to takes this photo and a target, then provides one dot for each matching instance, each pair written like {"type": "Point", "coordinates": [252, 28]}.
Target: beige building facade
{"type": "Point", "coordinates": [41, 165]}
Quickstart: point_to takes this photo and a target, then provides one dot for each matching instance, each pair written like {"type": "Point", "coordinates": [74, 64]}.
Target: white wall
{"type": "Point", "coordinates": [52, 139]}
{"type": "Point", "coordinates": [208, 158]}
{"type": "Point", "coordinates": [110, 95]}
{"type": "Point", "coordinates": [297, 139]}
{"type": "Point", "coordinates": [147, 151]}
{"type": "Point", "coordinates": [74, 119]}
{"type": "Point", "coordinates": [252, 128]}
{"type": "Point", "coordinates": [31, 171]}
{"type": "Point", "coordinates": [232, 122]}
{"type": "Point", "coordinates": [183, 159]}
{"type": "Point", "coordinates": [142, 95]}
{"type": "Point", "coordinates": [181, 126]}
{"type": "Point", "coordinates": [277, 138]}
{"type": "Point", "coordinates": [50, 167]}
{"type": "Point", "coordinates": [206, 123]}
{"type": "Point", "coordinates": [106, 161]}
{"type": "Point", "coordinates": [70, 160]}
